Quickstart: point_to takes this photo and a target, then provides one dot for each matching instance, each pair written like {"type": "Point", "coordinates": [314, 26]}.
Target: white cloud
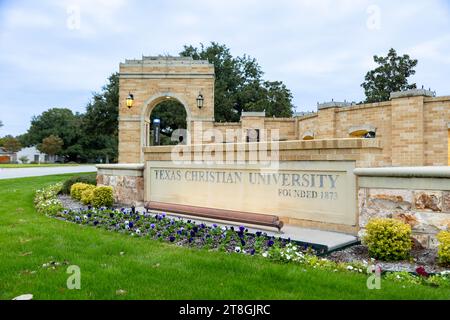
{"type": "Point", "coordinates": [17, 18]}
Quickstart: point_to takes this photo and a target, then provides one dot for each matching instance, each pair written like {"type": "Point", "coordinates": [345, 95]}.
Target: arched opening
{"type": "Point", "coordinates": [308, 135]}
{"type": "Point", "coordinates": [172, 118]}
{"type": "Point", "coordinates": [363, 131]}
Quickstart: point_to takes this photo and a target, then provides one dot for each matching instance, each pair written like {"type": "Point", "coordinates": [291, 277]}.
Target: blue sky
{"type": "Point", "coordinates": [321, 49]}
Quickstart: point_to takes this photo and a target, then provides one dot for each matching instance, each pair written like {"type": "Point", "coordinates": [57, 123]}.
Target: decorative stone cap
{"type": "Point", "coordinates": [165, 60]}
{"type": "Point", "coordinates": [406, 172]}
{"type": "Point", "coordinates": [253, 114]}
{"type": "Point", "coordinates": [121, 166]}
{"type": "Point", "coordinates": [332, 104]}
{"type": "Point", "coordinates": [302, 114]}
{"type": "Point", "coordinates": [413, 93]}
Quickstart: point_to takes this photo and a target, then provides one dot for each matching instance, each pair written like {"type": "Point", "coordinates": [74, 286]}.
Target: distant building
{"type": "Point", "coordinates": [6, 156]}
{"type": "Point", "coordinates": [31, 153]}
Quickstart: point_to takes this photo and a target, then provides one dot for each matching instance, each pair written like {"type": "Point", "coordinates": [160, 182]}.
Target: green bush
{"type": "Point", "coordinates": [88, 179]}
{"type": "Point", "coordinates": [444, 247]}
{"type": "Point", "coordinates": [87, 195]}
{"type": "Point", "coordinates": [388, 239]}
{"type": "Point", "coordinates": [102, 197]}
{"type": "Point", "coordinates": [77, 189]}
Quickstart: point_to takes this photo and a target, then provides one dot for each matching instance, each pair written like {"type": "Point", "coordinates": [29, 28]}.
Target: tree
{"type": "Point", "coordinates": [172, 115]}
{"type": "Point", "coordinates": [60, 122]}
{"type": "Point", "coordinates": [11, 144]}
{"type": "Point", "coordinates": [391, 75]}
{"type": "Point", "coordinates": [239, 85]}
{"type": "Point", "coordinates": [100, 123]}
{"type": "Point", "coordinates": [51, 145]}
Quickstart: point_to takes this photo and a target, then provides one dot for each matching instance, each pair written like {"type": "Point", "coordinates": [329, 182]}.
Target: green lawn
{"type": "Point", "coordinates": [35, 165]}
{"type": "Point", "coordinates": [149, 269]}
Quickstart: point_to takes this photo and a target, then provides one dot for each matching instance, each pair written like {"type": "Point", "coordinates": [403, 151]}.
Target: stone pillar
{"type": "Point", "coordinates": [326, 126]}
{"type": "Point", "coordinates": [253, 120]}
{"type": "Point", "coordinates": [408, 147]}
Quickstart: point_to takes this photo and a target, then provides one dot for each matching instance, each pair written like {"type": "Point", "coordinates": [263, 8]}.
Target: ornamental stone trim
{"type": "Point", "coordinates": [253, 114]}
{"type": "Point", "coordinates": [408, 172]}
{"type": "Point", "coordinates": [412, 93]}
{"type": "Point", "coordinates": [332, 104]}
{"type": "Point", "coordinates": [166, 60]}
{"type": "Point", "coordinates": [151, 75]}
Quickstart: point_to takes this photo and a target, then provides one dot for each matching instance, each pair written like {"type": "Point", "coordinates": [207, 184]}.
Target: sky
{"type": "Point", "coordinates": [56, 53]}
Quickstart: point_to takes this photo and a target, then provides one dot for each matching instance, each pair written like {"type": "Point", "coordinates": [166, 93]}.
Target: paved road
{"type": "Point", "coordinates": [8, 173]}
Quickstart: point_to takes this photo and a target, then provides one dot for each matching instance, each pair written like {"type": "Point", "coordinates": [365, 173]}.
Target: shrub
{"type": "Point", "coordinates": [388, 239]}
{"type": "Point", "coordinates": [77, 189]}
{"type": "Point", "coordinates": [89, 179]}
{"type": "Point", "coordinates": [444, 247]}
{"type": "Point", "coordinates": [87, 195]}
{"type": "Point", "coordinates": [102, 197]}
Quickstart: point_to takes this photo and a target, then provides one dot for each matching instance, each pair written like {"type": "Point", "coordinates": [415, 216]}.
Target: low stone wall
{"type": "Point", "coordinates": [419, 196]}
{"type": "Point", "coordinates": [127, 181]}
{"type": "Point", "coordinates": [365, 152]}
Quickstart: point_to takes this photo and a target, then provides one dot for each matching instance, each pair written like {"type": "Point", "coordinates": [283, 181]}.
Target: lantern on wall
{"type": "Point", "coordinates": [200, 101]}
{"type": "Point", "coordinates": [130, 100]}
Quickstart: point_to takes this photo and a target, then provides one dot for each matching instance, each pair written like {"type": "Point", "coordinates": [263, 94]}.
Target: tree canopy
{"type": "Point", "coordinates": [391, 75]}
{"type": "Point", "coordinates": [239, 85]}
{"type": "Point", "coordinates": [10, 143]}
{"type": "Point", "coordinates": [60, 122]}
{"type": "Point", "coordinates": [51, 145]}
{"type": "Point", "coordinates": [100, 123]}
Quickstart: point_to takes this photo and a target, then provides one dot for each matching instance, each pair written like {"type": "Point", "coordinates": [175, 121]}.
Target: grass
{"type": "Point", "coordinates": [35, 165]}
{"type": "Point", "coordinates": [149, 269]}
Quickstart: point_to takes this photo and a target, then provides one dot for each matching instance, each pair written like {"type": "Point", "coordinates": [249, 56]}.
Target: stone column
{"type": "Point", "coordinates": [326, 125]}
{"type": "Point", "coordinates": [408, 147]}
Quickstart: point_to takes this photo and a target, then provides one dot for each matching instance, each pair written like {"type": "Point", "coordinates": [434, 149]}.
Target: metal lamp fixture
{"type": "Point", "coordinates": [200, 100]}
{"type": "Point", "coordinates": [130, 100]}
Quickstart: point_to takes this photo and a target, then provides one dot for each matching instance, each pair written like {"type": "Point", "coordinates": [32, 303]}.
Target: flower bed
{"type": "Point", "coordinates": [179, 231]}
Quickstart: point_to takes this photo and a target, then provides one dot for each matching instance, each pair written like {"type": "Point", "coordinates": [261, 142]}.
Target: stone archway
{"type": "Point", "coordinates": [154, 101]}
{"type": "Point", "coordinates": [151, 80]}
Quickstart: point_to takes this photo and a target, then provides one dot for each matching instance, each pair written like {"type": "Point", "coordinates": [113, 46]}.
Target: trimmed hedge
{"type": "Point", "coordinates": [102, 197]}
{"type": "Point", "coordinates": [444, 247]}
{"type": "Point", "coordinates": [87, 195]}
{"type": "Point", "coordinates": [87, 178]}
{"type": "Point", "coordinates": [388, 239]}
{"type": "Point", "coordinates": [77, 189]}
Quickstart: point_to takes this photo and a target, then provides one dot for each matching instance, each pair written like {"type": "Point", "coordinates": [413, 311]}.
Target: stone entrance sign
{"type": "Point", "coordinates": [321, 191]}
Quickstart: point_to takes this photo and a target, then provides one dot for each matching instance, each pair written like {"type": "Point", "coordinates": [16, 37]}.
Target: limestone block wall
{"type": "Point", "coordinates": [362, 151]}
{"type": "Point", "coordinates": [377, 115]}
{"type": "Point", "coordinates": [419, 196]}
{"type": "Point", "coordinates": [127, 181]}
{"type": "Point", "coordinates": [436, 131]}
{"type": "Point", "coordinates": [307, 124]}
